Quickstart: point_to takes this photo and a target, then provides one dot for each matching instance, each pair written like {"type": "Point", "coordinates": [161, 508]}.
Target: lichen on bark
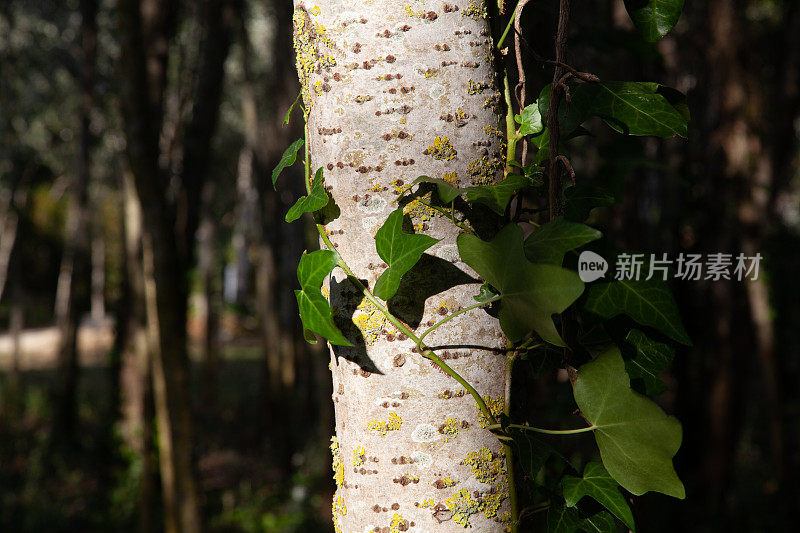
{"type": "Point", "coordinates": [380, 79]}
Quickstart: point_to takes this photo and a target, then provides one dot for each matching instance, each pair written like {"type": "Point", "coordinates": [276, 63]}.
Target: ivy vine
{"type": "Point", "coordinates": [528, 282]}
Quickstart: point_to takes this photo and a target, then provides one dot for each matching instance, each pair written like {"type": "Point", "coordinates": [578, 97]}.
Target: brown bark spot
{"type": "Point", "coordinates": [399, 360]}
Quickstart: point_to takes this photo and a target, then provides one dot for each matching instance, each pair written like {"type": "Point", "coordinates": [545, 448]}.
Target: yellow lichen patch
{"type": "Point", "coordinates": [441, 149]}
{"type": "Point", "coordinates": [483, 171]}
{"type": "Point", "coordinates": [315, 10]}
{"type": "Point", "coordinates": [486, 466]}
{"type": "Point", "coordinates": [369, 320]}
{"type": "Point", "coordinates": [462, 506]}
{"type": "Point", "coordinates": [445, 482]}
{"type": "Point", "coordinates": [428, 502]}
{"type": "Point", "coordinates": [339, 510]}
{"type": "Point", "coordinates": [495, 405]}
{"type": "Point", "coordinates": [451, 178]}
{"type": "Point", "coordinates": [449, 429]}
{"type": "Point", "coordinates": [420, 212]}
{"type": "Point", "coordinates": [382, 427]}
{"type": "Point", "coordinates": [359, 456]}
{"type": "Point", "coordinates": [312, 47]}
{"type": "Point", "coordinates": [446, 395]}
{"type": "Point", "coordinates": [475, 10]}
{"type": "Point", "coordinates": [338, 467]}
{"type": "Point", "coordinates": [474, 87]}
{"type": "Point", "coordinates": [398, 524]}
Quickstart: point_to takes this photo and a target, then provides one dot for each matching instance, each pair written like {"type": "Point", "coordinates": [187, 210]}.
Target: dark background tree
{"type": "Point", "coordinates": [136, 142]}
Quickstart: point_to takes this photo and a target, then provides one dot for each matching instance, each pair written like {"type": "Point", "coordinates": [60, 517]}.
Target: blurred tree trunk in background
{"type": "Point", "coordinates": [73, 280]}
{"type": "Point", "coordinates": [209, 270]}
{"type": "Point", "coordinates": [135, 388]}
{"type": "Point", "coordinates": [147, 29]}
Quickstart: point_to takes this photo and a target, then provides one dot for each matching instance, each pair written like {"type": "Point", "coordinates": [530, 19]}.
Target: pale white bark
{"type": "Point", "coordinates": [397, 90]}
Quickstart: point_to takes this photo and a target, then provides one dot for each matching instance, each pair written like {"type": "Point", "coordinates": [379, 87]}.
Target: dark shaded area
{"type": "Point", "coordinates": [177, 107]}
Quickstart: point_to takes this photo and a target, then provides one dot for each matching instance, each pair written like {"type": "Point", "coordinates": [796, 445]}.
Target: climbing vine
{"type": "Point", "coordinates": [549, 316]}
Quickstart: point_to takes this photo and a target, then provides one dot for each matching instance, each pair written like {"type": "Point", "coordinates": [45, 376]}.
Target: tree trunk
{"type": "Point", "coordinates": [380, 81]}
{"type": "Point", "coordinates": [73, 277]}
{"type": "Point", "coordinates": [135, 389]}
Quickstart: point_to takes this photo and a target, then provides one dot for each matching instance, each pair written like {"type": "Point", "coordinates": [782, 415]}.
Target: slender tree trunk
{"type": "Point", "coordinates": [146, 29]}
{"type": "Point", "coordinates": [377, 78]}
{"type": "Point", "coordinates": [73, 277]}
{"type": "Point", "coordinates": [135, 389]}
{"type": "Point", "coordinates": [210, 273]}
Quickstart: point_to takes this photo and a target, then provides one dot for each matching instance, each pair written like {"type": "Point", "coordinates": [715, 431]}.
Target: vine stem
{"type": "Point", "coordinates": [545, 431]}
{"type": "Point", "coordinates": [508, 28]}
{"type": "Point", "coordinates": [424, 350]}
{"type": "Point", "coordinates": [511, 130]}
{"type": "Point", "coordinates": [459, 312]}
{"type": "Point", "coordinates": [450, 215]}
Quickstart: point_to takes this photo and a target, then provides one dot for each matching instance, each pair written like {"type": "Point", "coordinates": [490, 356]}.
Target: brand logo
{"type": "Point", "coordinates": [591, 266]}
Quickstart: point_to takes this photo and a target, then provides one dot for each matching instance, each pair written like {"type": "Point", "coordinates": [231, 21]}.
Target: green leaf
{"type": "Point", "coordinates": [287, 159]}
{"type": "Point", "coordinates": [531, 293]}
{"type": "Point", "coordinates": [562, 519]}
{"type": "Point", "coordinates": [598, 484]}
{"type": "Point", "coordinates": [637, 440]}
{"type": "Point", "coordinates": [533, 453]}
{"type": "Point", "coordinates": [497, 196]}
{"type": "Point", "coordinates": [630, 107]}
{"type": "Point", "coordinates": [549, 243]}
{"type": "Point", "coordinates": [581, 199]}
{"type": "Point", "coordinates": [648, 302]}
{"type": "Point", "coordinates": [291, 109]}
{"type": "Point", "coordinates": [654, 18]}
{"type": "Point", "coordinates": [486, 293]}
{"type": "Point", "coordinates": [651, 358]}
{"type": "Point", "coordinates": [447, 192]}
{"type": "Point", "coordinates": [315, 312]}
{"type": "Point", "coordinates": [601, 522]}
{"type": "Point", "coordinates": [399, 250]}
{"type": "Point", "coordinates": [530, 120]}
{"type": "Point", "coordinates": [317, 199]}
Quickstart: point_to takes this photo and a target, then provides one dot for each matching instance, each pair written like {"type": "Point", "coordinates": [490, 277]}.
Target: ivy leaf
{"type": "Point", "coordinates": [315, 312]}
{"type": "Point", "coordinates": [597, 484]}
{"type": "Point", "coordinates": [562, 519]}
{"type": "Point", "coordinates": [637, 440]}
{"type": "Point", "coordinates": [651, 358]}
{"type": "Point", "coordinates": [317, 199]}
{"type": "Point", "coordinates": [287, 159]}
{"type": "Point", "coordinates": [654, 18]}
{"type": "Point", "coordinates": [447, 192]}
{"type": "Point", "coordinates": [629, 107]}
{"type": "Point", "coordinates": [533, 453]}
{"type": "Point", "coordinates": [530, 120]}
{"type": "Point", "coordinates": [497, 196]}
{"type": "Point", "coordinates": [531, 294]}
{"type": "Point", "coordinates": [601, 522]}
{"type": "Point", "coordinates": [291, 109]}
{"type": "Point", "coordinates": [548, 243]}
{"type": "Point", "coordinates": [647, 302]}
{"type": "Point", "coordinates": [581, 199]}
{"type": "Point", "coordinates": [399, 250]}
